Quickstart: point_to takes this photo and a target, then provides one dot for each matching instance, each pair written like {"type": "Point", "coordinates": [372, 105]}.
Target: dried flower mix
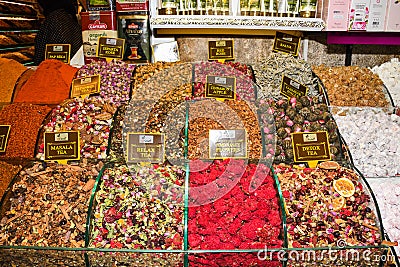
{"type": "Point", "coordinates": [92, 117]}
{"type": "Point", "coordinates": [25, 121]}
{"type": "Point", "coordinates": [49, 205]}
{"type": "Point", "coordinates": [115, 79]}
{"type": "Point", "coordinates": [140, 207]}
{"type": "Point", "coordinates": [317, 213]}
{"type": "Point", "coordinates": [245, 87]}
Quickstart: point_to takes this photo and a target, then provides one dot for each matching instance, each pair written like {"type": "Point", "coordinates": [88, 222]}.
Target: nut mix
{"type": "Point", "coordinates": [140, 207]}
{"type": "Point", "coordinates": [352, 86]}
{"type": "Point", "coordinates": [325, 205]}
{"type": "Point", "coordinates": [230, 114]}
{"type": "Point", "coordinates": [92, 117]}
{"type": "Point", "coordinates": [115, 79]}
{"type": "Point", "coordinates": [25, 121]}
{"type": "Point", "coordinates": [269, 73]}
{"type": "Point", "coordinates": [283, 117]}
{"type": "Point", "coordinates": [245, 87]}
{"type": "Point", "coordinates": [48, 205]}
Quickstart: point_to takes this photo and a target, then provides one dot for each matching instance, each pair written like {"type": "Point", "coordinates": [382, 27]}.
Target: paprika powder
{"type": "Point", "coordinates": [50, 84]}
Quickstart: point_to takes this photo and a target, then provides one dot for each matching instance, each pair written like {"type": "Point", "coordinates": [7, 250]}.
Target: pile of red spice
{"type": "Point", "coordinates": [25, 121]}
{"type": "Point", "coordinates": [50, 84]}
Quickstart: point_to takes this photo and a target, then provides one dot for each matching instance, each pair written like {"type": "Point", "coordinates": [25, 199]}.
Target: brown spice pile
{"type": "Point", "coordinates": [10, 71]}
{"type": "Point", "coordinates": [25, 121]}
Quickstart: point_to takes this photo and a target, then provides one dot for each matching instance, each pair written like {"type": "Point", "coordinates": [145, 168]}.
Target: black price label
{"type": "Point", "coordinates": [85, 86]}
{"type": "Point", "coordinates": [111, 47]}
{"type": "Point", "coordinates": [146, 147]}
{"type": "Point", "coordinates": [60, 52]}
{"type": "Point", "coordinates": [291, 88]}
{"type": "Point", "coordinates": [221, 87]}
{"type": "Point", "coordinates": [220, 50]}
{"type": "Point", "coordinates": [310, 146]}
{"type": "Point", "coordinates": [286, 43]}
{"type": "Point", "coordinates": [61, 146]}
{"type": "Point", "coordinates": [227, 144]}
{"type": "Point", "coordinates": [4, 133]}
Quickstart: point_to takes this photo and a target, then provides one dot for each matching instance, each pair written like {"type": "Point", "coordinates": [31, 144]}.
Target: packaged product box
{"type": "Point", "coordinates": [135, 29]}
{"type": "Point", "coordinates": [132, 5]}
{"type": "Point", "coordinates": [338, 15]}
{"type": "Point", "coordinates": [97, 24]}
{"type": "Point", "coordinates": [377, 13]}
{"type": "Point", "coordinates": [358, 16]}
{"type": "Point", "coordinates": [393, 16]}
{"type": "Point", "coordinates": [100, 5]}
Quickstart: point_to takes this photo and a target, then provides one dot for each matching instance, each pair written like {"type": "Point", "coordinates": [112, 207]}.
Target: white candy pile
{"type": "Point", "coordinates": [373, 137]}
{"type": "Point", "coordinates": [387, 193]}
{"type": "Point", "coordinates": [389, 72]}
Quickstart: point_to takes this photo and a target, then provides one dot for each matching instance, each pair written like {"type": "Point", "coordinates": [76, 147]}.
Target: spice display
{"type": "Point", "coordinates": [352, 86]}
{"type": "Point", "coordinates": [115, 79]}
{"type": "Point", "coordinates": [7, 173]}
{"type": "Point", "coordinates": [48, 205]}
{"type": "Point", "coordinates": [373, 138]}
{"type": "Point", "coordinates": [283, 117]}
{"type": "Point", "coordinates": [10, 71]}
{"type": "Point", "coordinates": [245, 88]}
{"type": "Point", "coordinates": [92, 117]}
{"type": "Point", "coordinates": [161, 82]}
{"type": "Point", "coordinates": [228, 211]}
{"type": "Point", "coordinates": [387, 193]}
{"type": "Point", "coordinates": [269, 73]}
{"type": "Point", "coordinates": [389, 73]}
{"type": "Point", "coordinates": [325, 205]}
{"type": "Point", "coordinates": [135, 259]}
{"type": "Point", "coordinates": [25, 121]}
{"type": "Point", "coordinates": [140, 207]}
{"type": "Point", "coordinates": [225, 115]}
{"type": "Point", "coordinates": [50, 84]}
{"type": "Point", "coordinates": [143, 72]}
